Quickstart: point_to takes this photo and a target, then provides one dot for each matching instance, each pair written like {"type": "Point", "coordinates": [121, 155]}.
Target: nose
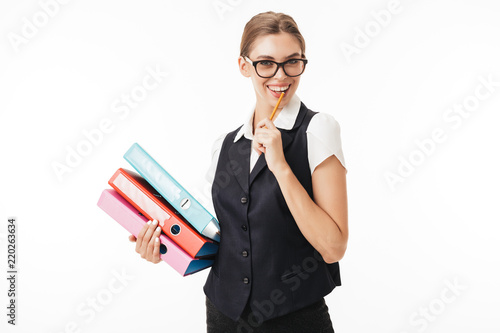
{"type": "Point", "coordinates": [280, 74]}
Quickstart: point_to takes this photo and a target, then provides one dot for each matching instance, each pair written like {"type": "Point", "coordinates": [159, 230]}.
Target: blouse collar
{"type": "Point", "coordinates": [285, 119]}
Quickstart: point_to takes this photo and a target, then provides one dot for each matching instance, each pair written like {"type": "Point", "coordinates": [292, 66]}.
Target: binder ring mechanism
{"type": "Point", "coordinates": [185, 203]}
{"type": "Point", "coordinates": [175, 229]}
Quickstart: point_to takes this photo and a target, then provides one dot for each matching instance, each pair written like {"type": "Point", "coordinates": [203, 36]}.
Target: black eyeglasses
{"type": "Point", "coordinates": [268, 68]}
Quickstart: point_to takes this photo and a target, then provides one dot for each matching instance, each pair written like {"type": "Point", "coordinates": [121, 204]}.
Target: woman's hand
{"type": "Point", "coordinates": [267, 140]}
{"type": "Point", "coordinates": [147, 243]}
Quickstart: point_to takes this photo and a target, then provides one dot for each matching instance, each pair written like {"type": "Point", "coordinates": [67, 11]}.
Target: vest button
{"type": "Point", "coordinates": [246, 281]}
{"type": "Point", "coordinates": [244, 227]}
{"type": "Point", "coordinates": [244, 253]}
{"type": "Point", "coordinates": [244, 200]}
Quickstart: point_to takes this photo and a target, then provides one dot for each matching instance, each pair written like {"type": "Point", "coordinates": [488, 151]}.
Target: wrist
{"type": "Point", "coordinates": [282, 171]}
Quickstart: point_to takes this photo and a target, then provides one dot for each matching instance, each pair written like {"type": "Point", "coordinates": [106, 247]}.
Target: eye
{"type": "Point", "coordinates": [293, 62]}
{"type": "Point", "coordinates": [266, 63]}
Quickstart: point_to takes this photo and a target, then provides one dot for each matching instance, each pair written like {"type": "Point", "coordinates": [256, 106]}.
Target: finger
{"type": "Point", "coordinates": [256, 146]}
{"type": "Point", "coordinates": [265, 123]}
{"type": "Point", "coordinates": [270, 124]}
{"type": "Point", "coordinates": [132, 238]}
{"type": "Point", "coordinates": [140, 237]}
{"type": "Point", "coordinates": [263, 138]}
{"type": "Point", "coordinates": [263, 134]}
{"type": "Point", "coordinates": [156, 251]}
{"type": "Point", "coordinates": [151, 245]}
{"type": "Point", "coordinates": [261, 123]}
{"type": "Point", "coordinates": [147, 238]}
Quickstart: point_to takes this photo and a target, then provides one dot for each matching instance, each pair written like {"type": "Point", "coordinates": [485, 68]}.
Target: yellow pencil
{"type": "Point", "coordinates": [277, 105]}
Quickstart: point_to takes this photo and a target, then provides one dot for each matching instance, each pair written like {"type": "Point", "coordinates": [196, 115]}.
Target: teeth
{"type": "Point", "coordinates": [278, 89]}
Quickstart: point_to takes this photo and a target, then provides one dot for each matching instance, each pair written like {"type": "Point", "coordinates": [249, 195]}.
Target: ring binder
{"type": "Point", "coordinates": [138, 192]}
{"type": "Point", "coordinates": [131, 219]}
{"type": "Point", "coordinates": [173, 192]}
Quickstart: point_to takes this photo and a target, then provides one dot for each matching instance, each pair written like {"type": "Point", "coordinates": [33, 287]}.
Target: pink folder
{"type": "Point", "coordinates": [132, 220]}
{"type": "Point", "coordinates": [152, 205]}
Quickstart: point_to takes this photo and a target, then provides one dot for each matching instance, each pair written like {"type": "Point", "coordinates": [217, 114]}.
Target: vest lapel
{"type": "Point", "coordinates": [239, 161]}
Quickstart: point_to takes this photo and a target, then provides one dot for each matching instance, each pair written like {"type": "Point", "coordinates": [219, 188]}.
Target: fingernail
{"type": "Point", "coordinates": [155, 222]}
{"type": "Point", "coordinates": [157, 239]}
{"type": "Point", "coordinates": [158, 229]}
{"type": "Point", "coordinates": [149, 222]}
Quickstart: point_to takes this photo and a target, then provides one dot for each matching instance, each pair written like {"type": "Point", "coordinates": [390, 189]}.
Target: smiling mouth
{"type": "Point", "coordinates": [278, 89]}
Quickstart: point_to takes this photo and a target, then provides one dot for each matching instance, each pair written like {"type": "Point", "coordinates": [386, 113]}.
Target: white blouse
{"type": "Point", "coordinates": [323, 137]}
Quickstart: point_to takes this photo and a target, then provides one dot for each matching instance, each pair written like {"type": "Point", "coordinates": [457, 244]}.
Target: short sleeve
{"type": "Point", "coordinates": [216, 147]}
{"type": "Point", "coordinates": [210, 174]}
{"type": "Point", "coordinates": [323, 140]}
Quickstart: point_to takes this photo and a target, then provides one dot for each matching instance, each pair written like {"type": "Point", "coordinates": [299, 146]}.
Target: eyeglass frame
{"type": "Point", "coordinates": [279, 64]}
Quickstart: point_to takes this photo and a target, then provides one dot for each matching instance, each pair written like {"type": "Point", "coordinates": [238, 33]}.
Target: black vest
{"type": "Point", "coordinates": [263, 257]}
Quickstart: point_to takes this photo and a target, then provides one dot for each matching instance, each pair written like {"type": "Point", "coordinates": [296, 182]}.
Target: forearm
{"type": "Point", "coordinates": [319, 228]}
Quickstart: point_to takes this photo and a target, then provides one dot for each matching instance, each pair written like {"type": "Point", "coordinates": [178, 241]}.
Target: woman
{"type": "Point", "coordinates": [279, 193]}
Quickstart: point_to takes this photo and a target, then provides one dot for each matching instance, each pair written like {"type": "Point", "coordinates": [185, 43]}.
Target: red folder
{"type": "Point", "coordinates": [137, 191]}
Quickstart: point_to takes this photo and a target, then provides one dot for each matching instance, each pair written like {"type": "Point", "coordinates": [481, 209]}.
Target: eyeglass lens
{"type": "Point", "coordinates": [291, 68]}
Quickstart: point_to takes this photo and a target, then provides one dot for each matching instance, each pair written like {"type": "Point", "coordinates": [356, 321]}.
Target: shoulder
{"type": "Point", "coordinates": [217, 144]}
{"type": "Point", "coordinates": [214, 157]}
{"type": "Point", "coordinates": [323, 139]}
{"type": "Point", "coordinates": [322, 124]}
{"type": "Point", "coordinates": [325, 129]}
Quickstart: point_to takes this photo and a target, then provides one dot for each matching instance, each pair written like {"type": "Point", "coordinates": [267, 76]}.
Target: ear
{"type": "Point", "coordinates": [244, 67]}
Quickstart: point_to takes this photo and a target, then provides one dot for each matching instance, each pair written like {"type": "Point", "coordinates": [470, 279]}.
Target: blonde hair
{"type": "Point", "coordinates": [269, 23]}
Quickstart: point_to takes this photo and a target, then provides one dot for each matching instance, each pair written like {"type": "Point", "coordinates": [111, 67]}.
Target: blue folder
{"type": "Point", "coordinates": [173, 192]}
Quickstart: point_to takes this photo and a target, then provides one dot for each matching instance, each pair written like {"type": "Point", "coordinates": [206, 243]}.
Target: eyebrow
{"type": "Point", "coordinates": [296, 54]}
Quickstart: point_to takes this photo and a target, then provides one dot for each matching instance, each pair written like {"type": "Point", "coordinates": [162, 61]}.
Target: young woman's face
{"type": "Point", "coordinates": [277, 47]}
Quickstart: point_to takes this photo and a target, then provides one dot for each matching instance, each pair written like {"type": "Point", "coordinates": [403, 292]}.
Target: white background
{"type": "Point", "coordinates": [437, 227]}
